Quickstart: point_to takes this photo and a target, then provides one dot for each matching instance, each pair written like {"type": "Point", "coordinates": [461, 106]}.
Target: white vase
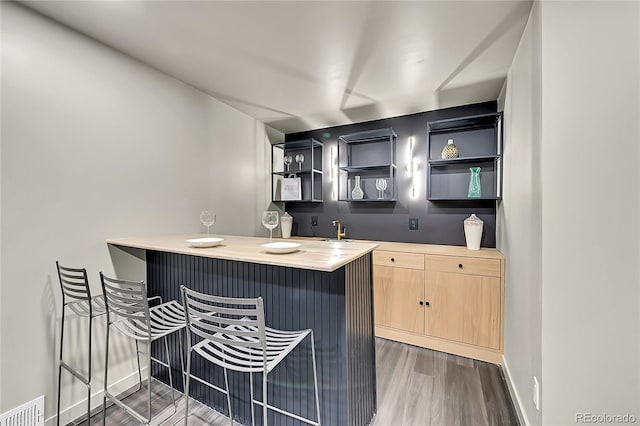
{"type": "Point", "coordinates": [357, 193]}
{"type": "Point", "coordinates": [473, 232]}
{"type": "Point", "coordinates": [286, 221]}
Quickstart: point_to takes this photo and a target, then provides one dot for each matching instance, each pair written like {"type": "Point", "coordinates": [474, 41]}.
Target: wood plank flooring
{"type": "Point", "coordinates": [421, 387]}
{"type": "Point", "coordinates": [416, 387]}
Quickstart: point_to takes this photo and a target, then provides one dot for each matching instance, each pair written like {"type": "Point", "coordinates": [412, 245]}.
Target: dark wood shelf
{"type": "Point", "coordinates": [372, 200]}
{"type": "Point", "coordinates": [377, 167]}
{"type": "Point", "coordinates": [465, 199]}
{"type": "Point", "coordinates": [297, 172]}
{"type": "Point", "coordinates": [478, 159]}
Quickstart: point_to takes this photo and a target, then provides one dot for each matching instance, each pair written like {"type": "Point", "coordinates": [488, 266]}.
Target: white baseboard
{"type": "Point", "coordinates": [79, 409]}
{"type": "Point", "coordinates": [522, 417]}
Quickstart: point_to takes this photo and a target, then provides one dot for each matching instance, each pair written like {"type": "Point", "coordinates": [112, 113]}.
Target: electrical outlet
{"type": "Point", "coordinates": [536, 393]}
{"type": "Point", "coordinates": [413, 224]}
{"type": "Point", "coordinates": [314, 220]}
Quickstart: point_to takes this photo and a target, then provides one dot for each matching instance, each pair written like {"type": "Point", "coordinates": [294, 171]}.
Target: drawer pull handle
{"type": "Point", "coordinates": [426, 303]}
{"type": "Point", "coordinates": [460, 265]}
{"type": "Point", "coordinates": [421, 303]}
{"type": "Point", "coordinates": [392, 259]}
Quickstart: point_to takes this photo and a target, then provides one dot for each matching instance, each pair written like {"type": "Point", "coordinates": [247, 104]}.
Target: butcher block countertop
{"type": "Point", "coordinates": [313, 254]}
{"type": "Point", "coordinates": [439, 249]}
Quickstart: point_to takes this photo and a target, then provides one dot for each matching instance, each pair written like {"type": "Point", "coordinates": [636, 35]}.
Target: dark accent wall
{"type": "Point", "coordinates": [439, 222]}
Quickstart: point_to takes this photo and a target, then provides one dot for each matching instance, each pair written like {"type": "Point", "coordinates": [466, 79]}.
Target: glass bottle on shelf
{"type": "Point", "coordinates": [357, 193]}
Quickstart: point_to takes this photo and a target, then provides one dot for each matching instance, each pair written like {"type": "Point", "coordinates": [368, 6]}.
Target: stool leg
{"type": "Point", "coordinates": [149, 380]}
{"type": "Point", "coordinates": [106, 365]}
{"type": "Point", "coordinates": [186, 388]}
{"type": "Point", "coordinates": [315, 378]}
{"type": "Point", "coordinates": [264, 396]}
{"type": "Point", "coordinates": [173, 391]}
{"type": "Point", "coordinates": [253, 419]}
{"type": "Point", "coordinates": [60, 363]}
{"type": "Point", "coordinates": [181, 349]}
{"type": "Point", "coordinates": [226, 383]}
{"type": "Point", "coordinates": [89, 379]}
{"type": "Point", "coordinates": [139, 369]}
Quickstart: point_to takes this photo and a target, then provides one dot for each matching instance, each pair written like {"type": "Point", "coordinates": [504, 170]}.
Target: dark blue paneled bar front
{"type": "Point", "coordinates": [337, 304]}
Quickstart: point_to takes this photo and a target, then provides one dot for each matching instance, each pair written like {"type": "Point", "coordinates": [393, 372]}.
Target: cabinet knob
{"type": "Point", "coordinates": [392, 259]}
{"type": "Point", "coordinates": [426, 303]}
{"type": "Point", "coordinates": [460, 265]}
{"type": "Point", "coordinates": [421, 303]}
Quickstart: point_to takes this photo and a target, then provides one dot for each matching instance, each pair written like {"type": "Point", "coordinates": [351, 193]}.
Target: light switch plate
{"type": "Point", "coordinates": [314, 220]}
{"type": "Point", "coordinates": [413, 224]}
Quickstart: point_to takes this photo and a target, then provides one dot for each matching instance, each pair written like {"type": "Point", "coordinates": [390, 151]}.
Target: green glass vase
{"type": "Point", "coordinates": [475, 189]}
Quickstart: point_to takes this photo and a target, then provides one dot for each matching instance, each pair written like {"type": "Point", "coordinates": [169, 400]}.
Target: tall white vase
{"type": "Point", "coordinates": [473, 226]}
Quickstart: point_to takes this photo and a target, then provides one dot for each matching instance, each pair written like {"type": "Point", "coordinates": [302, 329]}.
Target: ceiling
{"type": "Point", "coordinates": [300, 65]}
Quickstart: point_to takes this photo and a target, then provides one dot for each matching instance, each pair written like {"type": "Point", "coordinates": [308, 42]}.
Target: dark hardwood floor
{"type": "Point", "coordinates": [416, 387]}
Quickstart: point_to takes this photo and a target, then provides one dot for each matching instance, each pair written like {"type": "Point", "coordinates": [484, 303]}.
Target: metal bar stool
{"type": "Point", "coordinates": [76, 295]}
{"type": "Point", "coordinates": [129, 312]}
{"type": "Point", "coordinates": [234, 336]}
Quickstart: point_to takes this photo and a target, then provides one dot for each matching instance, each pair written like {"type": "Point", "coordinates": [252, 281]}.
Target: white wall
{"type": "Point", "coordinates": [591, 202]}
{"type": "Point", "coordinates": [519, 220]}
{"type": "Point", "coordinates": [572, 109]}
{"type": "Point", "coordinates": [97, 145]}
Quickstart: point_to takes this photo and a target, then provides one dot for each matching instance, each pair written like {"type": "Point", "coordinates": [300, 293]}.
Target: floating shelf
{"type": "Point", "coordinates": [371, 155]}
{"type": "Point", "coordinates": [310, 177]}
{"type": "Point", "coordinates": [479, 142]}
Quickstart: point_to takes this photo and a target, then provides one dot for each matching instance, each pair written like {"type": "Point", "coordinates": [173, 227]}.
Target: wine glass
{"type": "Point", "coordinates": [381, 185]}
{"type": "Point", "coordinates": [270, 221]}
{"type": "Point", "coordinates": [287, 160]}
{"type": "Point", "coordinates": [299, 160]}
{"type": "Point", "coordinates": [208, 218]}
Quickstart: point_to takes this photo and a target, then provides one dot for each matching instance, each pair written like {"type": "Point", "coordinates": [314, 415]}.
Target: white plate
{"type": "Point", "coordinates": [205, 242]}
{"type": "Point", "coordinates": [281, 247]}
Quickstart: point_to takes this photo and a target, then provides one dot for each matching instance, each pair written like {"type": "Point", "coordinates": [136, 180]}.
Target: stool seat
{"type": "Point", "coordinates": [81, 307]}
{"type": "Point", "coordinates": [163, 320]}
{"type": "Point", "coordinates": [249, 359]}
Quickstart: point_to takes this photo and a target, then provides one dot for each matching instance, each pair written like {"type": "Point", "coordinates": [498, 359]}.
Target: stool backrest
{"type": "Point", "coordinates": [230, 322]}
{"type": "Point", "coordinates": [127, 300]}
{"type": "Point", "coordinates": [73, 283]}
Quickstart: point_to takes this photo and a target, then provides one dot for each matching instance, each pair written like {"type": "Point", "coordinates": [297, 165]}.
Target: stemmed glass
{"type": "Point", "coordinates": [287, 160]}
{"type": "Point", "coordinates": [270, 221]}
{"type": "Point", "coordinates": [381, 186]}
{"type": "Point", "coordinates": [299, 160]}
{"type": "Point", "coordinates": [208, 218]}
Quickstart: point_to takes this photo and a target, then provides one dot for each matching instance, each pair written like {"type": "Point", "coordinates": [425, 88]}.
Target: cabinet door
{"type": "Point", "coordinates": [445, 297]}
{"type": "Point", "coordinates": [482, 311]}
{"type": "Point", "coordinates": [397, 296]}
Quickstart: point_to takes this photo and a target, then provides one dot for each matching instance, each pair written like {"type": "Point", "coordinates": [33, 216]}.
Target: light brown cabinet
{"type": "Point", "coordinates": [448, 302]}
{"type": "Point", "coordinates": [399, 282]}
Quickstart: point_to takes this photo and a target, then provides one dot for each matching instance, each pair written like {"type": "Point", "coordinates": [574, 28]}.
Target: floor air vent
{"type": "Point", "coordinates": [28, 414]}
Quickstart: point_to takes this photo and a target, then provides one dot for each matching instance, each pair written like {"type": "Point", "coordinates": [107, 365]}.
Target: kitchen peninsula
{"type": "Point", "coordinates": [325, 286]}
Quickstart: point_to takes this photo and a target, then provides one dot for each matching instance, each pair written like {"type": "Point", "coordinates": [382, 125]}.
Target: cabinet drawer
{"type": "Point", "coordinates": [464, 265]}
{"type": "Point", "coordinates": [398, 259]}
